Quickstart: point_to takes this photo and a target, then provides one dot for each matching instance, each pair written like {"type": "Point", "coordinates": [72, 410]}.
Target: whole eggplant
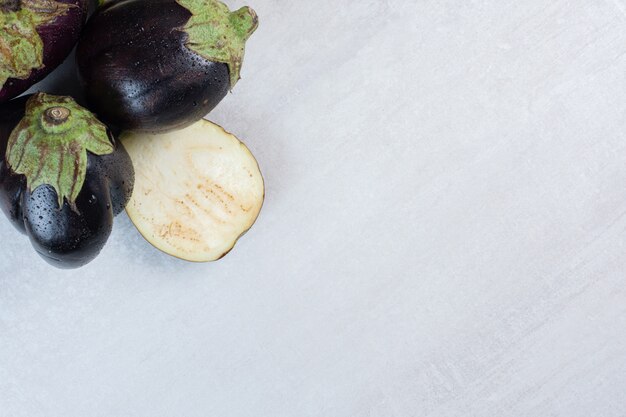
{"type": "Point", "coordinates": [159, 65]}
{"type": "Point", "coordinates": [35, 37]}
{"type": "Point", "coordinates": [62, 177]}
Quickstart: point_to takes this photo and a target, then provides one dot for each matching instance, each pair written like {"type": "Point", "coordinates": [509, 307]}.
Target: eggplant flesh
{"type": "Point", "coordinates": [197, 191]}
{"type": "Point", "coordinates": [47, 46]}
{"type": "Point", "coordinates": [70, 235]}
{"type": "Point", "coordinates": [137, 72]}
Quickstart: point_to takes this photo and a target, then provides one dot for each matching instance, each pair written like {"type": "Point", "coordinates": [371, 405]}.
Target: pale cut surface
{"type": "Point", "coordinates": [197, 190]}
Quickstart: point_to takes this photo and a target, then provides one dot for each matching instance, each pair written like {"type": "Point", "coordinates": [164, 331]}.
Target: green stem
{"type": "Point", "coordinates": [219, 35]}
{"type": "Point", "coordinates": [245, 21]}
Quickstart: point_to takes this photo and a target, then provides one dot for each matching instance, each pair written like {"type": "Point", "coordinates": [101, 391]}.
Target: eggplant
{"type": "Point", "coordinates": [63, 177]}
{"type": "Point", "coordinates": [35, 37]}
{"type": "Point", "coordinates": [161, 65]}
{"type": "Point", "coordinates": [198, 190]}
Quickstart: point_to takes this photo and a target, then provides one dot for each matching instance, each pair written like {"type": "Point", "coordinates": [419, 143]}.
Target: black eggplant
{"type": "Point", "coordinates": [63, 177]}
{"type": "Point", "coordinates": [35, 37]}
{"type": "Point", "coordinates": [160, 65]}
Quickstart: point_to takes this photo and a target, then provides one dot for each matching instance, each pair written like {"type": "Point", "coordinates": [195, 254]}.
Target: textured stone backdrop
{"type": "Point", "coordinates": [444, 233]}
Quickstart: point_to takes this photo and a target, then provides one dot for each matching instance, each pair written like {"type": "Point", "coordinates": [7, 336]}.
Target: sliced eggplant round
{"type": "Point", "coordinates": [197, 190]}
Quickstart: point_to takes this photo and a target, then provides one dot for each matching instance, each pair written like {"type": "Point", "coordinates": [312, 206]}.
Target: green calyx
{"type": "Point", "coordinates": [49, 145]}
{"type": "Point", "coordinates": [21, 47]}
{"type": "Point", "coordinates": [219, 35]}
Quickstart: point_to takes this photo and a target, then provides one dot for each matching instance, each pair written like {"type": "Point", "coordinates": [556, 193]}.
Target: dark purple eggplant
{"type": "Point", "coordinates": [35, 37]}
{"type": "Point", "coordinates": [63, 177]}
{"type": "Point", "coordinates": [160, 65]}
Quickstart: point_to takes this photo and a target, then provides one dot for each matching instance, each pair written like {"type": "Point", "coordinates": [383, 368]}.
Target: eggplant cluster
{"type": "Point", "coordinates": [150, 71]}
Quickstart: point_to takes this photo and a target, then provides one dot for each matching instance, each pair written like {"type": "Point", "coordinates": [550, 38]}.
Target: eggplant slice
{"type": "Point", "coordinates": [197, 190]}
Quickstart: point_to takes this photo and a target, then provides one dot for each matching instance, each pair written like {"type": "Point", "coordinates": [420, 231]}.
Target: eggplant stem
{"type": "Point", "coordinates": [57, 115]}
{"type": "Point", "coordinates": [245, 21]}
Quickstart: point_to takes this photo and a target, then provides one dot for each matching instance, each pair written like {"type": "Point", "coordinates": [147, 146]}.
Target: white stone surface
{"type": "Point", "coordinates": [444, 233]}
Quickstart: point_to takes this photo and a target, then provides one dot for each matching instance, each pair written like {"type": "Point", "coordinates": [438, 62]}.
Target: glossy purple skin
{"type": "Point", "coordinates": [137, 71]}
{"type": "Point", "coordinates": [61, 236]}
{"type": "Point", "coordinates": [59, 37]}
